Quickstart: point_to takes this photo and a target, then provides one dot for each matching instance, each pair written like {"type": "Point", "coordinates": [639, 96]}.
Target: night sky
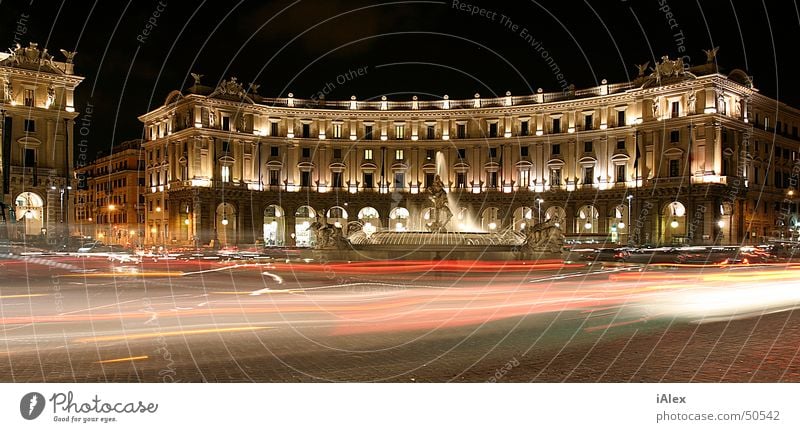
{"type": "Point", "coordinates": [425, 48]}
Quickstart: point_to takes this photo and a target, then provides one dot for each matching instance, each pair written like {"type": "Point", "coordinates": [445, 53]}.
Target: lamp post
{"type": "Point", "coordinates": [629, 198]}
{"type": "Point", "coordinates": [111, 208]}
{"type": "Point", "coordinates": [539, 202]}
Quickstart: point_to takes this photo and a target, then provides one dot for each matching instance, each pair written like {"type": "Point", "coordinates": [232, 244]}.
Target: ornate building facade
{"type": "Point", "coordinates": [37, 114]}
{"type": "Point", "coordinates": [679, 155]}
{"type": "Point", "coordinates": [109, 198]}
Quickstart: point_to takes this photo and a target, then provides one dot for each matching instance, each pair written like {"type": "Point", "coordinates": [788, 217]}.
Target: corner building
{"type": "Point", "coordinates": [37, 116]}
{"type": "Point", "coordinates": [677, 156]}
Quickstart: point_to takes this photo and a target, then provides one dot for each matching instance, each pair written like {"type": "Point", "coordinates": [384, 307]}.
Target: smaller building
{"type": "Point", "coordinates": [109, 205]}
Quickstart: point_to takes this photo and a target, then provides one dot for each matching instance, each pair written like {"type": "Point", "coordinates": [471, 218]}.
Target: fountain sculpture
{"type": "Point", "coordinates": [440, 240]}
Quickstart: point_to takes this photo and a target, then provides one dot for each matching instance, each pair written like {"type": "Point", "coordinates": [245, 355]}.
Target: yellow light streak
{"type": "Point", "coordinates": [138, 336]}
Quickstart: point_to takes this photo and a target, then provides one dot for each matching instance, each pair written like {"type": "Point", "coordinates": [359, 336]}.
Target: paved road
{"type": "Point", "coordinates": [67, 319]}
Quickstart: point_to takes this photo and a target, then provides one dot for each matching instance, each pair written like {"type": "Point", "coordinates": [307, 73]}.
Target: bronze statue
{"type": "Point", "coordinates": [543, 237]}
{"type": "Point", "coordinates": [441, 212]}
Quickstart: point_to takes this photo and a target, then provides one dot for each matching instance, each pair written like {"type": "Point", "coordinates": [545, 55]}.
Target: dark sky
{"type": "Point", "coordinates": [428, 48]}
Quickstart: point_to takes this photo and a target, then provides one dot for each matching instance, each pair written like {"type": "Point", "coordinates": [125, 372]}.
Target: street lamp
{"type": "Point", "coordinates": [539, 202]}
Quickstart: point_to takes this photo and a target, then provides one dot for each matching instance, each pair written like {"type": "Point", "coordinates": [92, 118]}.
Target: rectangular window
{"type": "Point", "coordinates": [430, 154]}
{"type": "Point", "coordinates": [786, 153]}
{"type": "Point", "coordinates": [226, 173]}
{"type": "Point", "coordinates": [431, 132]}
{"type": "Point", "coordinates": [273, 151]}
{"type": "Point", "coordinates": [524, 128]}
{"type": "Point", "coordinates": [274, 177]}
{"type": "Point", "coordinates": [676, 109]}
{"type": "Point", "coordinates": [620, 173]}
{"type": "Point", "coordinates": [461, 131]}
{"type": "Point", "coordinates": [491, 180]}
{"type": "Point", "coordinates": [399, 132]}
{"type": "Point", "coordinates": [367, 154]}
{"type": "Point", "coordinates": [587, 146]}
{"type": "Point", "coordinates": [399, 180]}
{"type": "Point", "coordinates": [556, 125]}
{"type": "Point", "coordinates": [588, 122]}
{"type": "Point", "coordinates": [337, 153]}
{"type": "Point", "coordinates": [306, 152]}
{"type": "Point", "coordinates": [336, 180]}
{"type": "Point", "coordinates": [462, 153]}
{"type": "Point", "coordinates": [674, 136]}
{"type": "Point", "coordinates": [30, 158]}
{"type": "Point", "coordinates": [556, 149]}
{"type": "Point", "coordinates": [306, 130]}
{"type": "Point", "coordinates": [368, 180]}
{"type": "Point", "coordinates": [621, 118]}
{"type": "Point", "coordinates": [273, 128]}
{"type": "Point", "coordinates": [674, 168]}
{"type": "Point", "coordinates": [492, 152]}
{"type": "Point", "coordinates": [368, 132]}
{"type": "Point", "coordinates": [305, 178]}
{"type": "Point", "coordinates": [524, 177]}
{"type": "Point", "coordinates": [493, 130]}
{"type": "Point", "coordinates": [398, 155]}
{"type": "Point", "coordinates": [337, 130]}
{"type": "Point", "coordinates": [226, 148]}
{"type": "Point", "coordinates": [588, 175]}
{"type": "Point", "coordinates": [226, 123]}
{"type": "Point", "coordinates": [29, 125]}
{"type": "Point", "coordinates": [461, 180]}
{"type": "Point", "coordinates": [620, 144]}
{"type": "Point", "coordinates": [29, 98]}
{"type": "Point", "coordinates": [524, 151]}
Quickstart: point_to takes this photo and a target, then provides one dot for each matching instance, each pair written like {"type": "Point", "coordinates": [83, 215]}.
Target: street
{"type": "Point", "coordinates": [72, 319]}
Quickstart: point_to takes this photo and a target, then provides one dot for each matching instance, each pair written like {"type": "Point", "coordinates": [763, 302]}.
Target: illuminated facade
{"type": "Point", "coordinates": [37, 115]}
{"type": "Point", "coordinates": [109, 201]}
{"type": "Point", "coordinates": [679, 155]}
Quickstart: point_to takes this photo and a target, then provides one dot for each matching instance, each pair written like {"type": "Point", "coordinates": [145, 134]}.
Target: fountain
{"type": "Point", "coordinates": [440, 241]}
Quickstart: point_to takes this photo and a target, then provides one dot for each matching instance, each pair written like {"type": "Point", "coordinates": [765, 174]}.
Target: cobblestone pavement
{"type": "Point", "coordinates": [172, 326]}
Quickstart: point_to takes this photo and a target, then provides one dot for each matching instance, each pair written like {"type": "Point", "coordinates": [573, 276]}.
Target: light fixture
{"type": "Point", "coordinates": [587, 225]}
{"type": "Point", "coordinates": [158, 209]}
{"type": "Point", "coordinates": [224, 221]}
{"type": "Point", "coordinates": [186, 221]}
{"type": "Point", "coordinates": [28, 214]}
{"type": "Point", "coordinates": [721, 224]}
{"type": "Point", "coordinates": [492, 226]}
{"type": "Point", "coordinates": [112, 207]}
{"type": "Point", "coordinates": [621, 225]}
{"type": "Point", "coordinates": [674, 224]}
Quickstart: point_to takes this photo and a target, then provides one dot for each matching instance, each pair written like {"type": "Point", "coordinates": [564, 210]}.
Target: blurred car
{"type": "Point", "coordinates": [606, 254]}
{"type": "Point", "coordinates": [98, 247]}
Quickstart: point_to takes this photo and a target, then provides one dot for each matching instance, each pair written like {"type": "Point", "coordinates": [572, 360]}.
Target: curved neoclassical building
{"type": "Point", "coordinates": [679, 155]}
